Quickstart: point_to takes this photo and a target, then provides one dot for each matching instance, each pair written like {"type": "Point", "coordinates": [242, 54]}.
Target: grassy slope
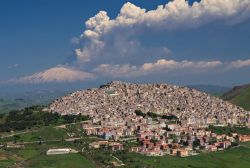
{"type": "Point", "coordinates": [34, 154]}
{"type": "Point", "coordinates": [46, 133]}
{"type": "Point", "coordinates": [239, 96]}
{"type": "Point", "coordinates": [59, 161]}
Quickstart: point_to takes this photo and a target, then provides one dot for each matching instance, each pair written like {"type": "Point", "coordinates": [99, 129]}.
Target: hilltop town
{"type": "Point", "coordinates": [163, 119]}
{"type": "Point", "coordinates": [189, 105]}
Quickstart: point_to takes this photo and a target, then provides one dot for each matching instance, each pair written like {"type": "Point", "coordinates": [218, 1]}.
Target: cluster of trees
{"type": "Point", "coordinates": [74, 118]}
{"type": "Point", "coordinates": [170, 117]}
{"type": "Point", "coordinates": [154, 115]}
{"type": "Point", "coordinates": [140, 113]}
{"type": "Point", "coordinates": [149, 114]}
{"type": "Point", "coordinates": [229, 130]}
{"type": "Point", "coordinates": [34, 116]}
{"type": "Point", "coordinates": [196, 143]}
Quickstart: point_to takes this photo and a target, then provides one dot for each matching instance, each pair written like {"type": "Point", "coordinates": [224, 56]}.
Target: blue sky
{"type": "Point", "coordinates": [41, 38]}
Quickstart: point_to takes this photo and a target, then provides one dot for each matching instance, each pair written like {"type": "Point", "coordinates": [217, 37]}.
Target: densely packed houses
{"type": "Point", "coordinates": [189, 105]}
{"type": "Point", "coordinates": [157, 137]}
{"type": "Point", "coordinates": [112, 110]}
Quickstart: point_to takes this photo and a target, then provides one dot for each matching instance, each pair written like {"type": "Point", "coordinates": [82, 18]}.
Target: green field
{"type": "Point", "coordinates": [246, 144]}
{"type": "Point", "coordinates": [34, 156]}
{"type": "Point", "coordinates": [59, 161]}
{"type": "Point", "coordinates": [33, 159]}
{"type": "Point", "coordinates": [45, 133]}
{"type": "Point", "coordinates": [234, 158]}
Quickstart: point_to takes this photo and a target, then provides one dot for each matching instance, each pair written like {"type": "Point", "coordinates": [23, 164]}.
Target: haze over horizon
{"type": "Point", "coordinates": [67, 45]}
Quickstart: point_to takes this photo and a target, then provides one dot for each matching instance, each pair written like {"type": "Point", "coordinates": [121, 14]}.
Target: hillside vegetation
{"type": "Point", "coordinates": [30, 117]}
{"type": "Point", "coordinates": [239, 95]}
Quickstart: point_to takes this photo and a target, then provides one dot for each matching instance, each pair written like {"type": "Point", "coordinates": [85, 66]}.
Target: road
{"type": "Point", "coordinates": [54, 140]}
{"type": "Point", "coordinates": [120, 163]}
{"type": "Point", "coordinates": [29, 131]}
{"type": "Point", "coordinates": [18, 133]}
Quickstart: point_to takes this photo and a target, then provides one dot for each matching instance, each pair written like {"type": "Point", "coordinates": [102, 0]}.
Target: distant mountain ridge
{"type": "Point", "coordinates": [239, 95]}
{"type": "Point", "coordinates": [211, 89]}
{"type": "Point", "coordinates": [19, 100]}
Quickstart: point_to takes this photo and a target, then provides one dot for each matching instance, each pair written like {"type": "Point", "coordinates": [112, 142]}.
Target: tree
{"type": "Point", "coordinates": [16, 137]}
{"type": "Point", "coordinates": [139, 113]}
{"type": "Point", "coordinates": [40, 140]}
{"type": "Point", "coordinates": [196, 143]}
{"type": "Point", "coordinates": [170, 117]}
{"type": "Point", "coordinates": [212, 140]}
{"type": "Point", "coordinates": [152, 115]}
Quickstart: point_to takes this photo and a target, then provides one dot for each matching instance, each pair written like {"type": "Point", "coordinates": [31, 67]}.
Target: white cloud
{"type": "Point", "coordinates": [169, 65]}
{"type": "Point", "coordinates": [55, 74]}
{"type": "Point", "coordinates": [164, 66]}
{"type": "Point", "coordinates": [132, 20]}
{"type": "Point", "coordinates": [113, 45]}
{"type": "Point", "coordinates": [239, 64]}
{"type": "Point", "coordinates": [160, 66]}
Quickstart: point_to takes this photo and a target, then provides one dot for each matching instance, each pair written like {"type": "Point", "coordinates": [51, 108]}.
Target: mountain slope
{"type": "Point", "coordinates": [55, 74]}
{"type": "Point", "coordinates": [239, 95]}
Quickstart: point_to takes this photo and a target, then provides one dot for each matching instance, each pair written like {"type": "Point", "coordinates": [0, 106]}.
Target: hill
{"type": "Point", "coordinates": [239, 95]}
{"type": "Point", "coordinates": [187, 104]}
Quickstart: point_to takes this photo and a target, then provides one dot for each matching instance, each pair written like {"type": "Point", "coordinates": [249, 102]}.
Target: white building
{"type": "Point", "coordinates": [58, 151]}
